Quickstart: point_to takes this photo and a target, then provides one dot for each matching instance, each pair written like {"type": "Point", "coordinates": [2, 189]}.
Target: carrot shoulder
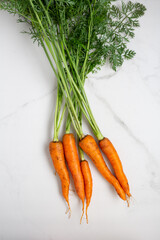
{"type": "Point", "coordinates": [73, 162]}
{"type": "Point", "coordinates": [87, 183]}
{"type": "Point", "coordinates": [90, 147]}
{"type": "Point", "coordinates": [112, 155]}
{"type": "Point", "coordinates": [57, 155]}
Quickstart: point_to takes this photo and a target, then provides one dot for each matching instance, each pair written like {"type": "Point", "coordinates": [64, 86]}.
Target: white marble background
{"type": "Point", "coordinates": [127, 109]}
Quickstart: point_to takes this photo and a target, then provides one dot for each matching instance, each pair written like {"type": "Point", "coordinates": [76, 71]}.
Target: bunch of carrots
{"type": "Point", "coordinates": [78, 36]}
{"type": "Point", "coordinates": [80, 169]}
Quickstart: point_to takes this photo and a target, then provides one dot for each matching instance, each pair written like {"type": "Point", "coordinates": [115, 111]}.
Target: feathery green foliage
{"type": "Point", "coordinates": [110, 26]}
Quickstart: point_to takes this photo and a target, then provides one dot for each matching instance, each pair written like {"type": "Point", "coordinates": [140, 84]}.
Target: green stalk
{"type": "Point", "coordinates": [81, 153]}
{"type": "Point", "coordinates": [70, 105]}
{"type": "Point", "coordinates": [55, 138]}
{"type": "Point", "coordinates": [63, 85]}
{"type": "Point", "coordinates": [58, 103]}
{"type": "Point", "coordinates": [71, 109]}
{"type": "Point", "coordinates": [88, 45]}
{"type": "Point", "coordinates": [46, 12]}
{"type": "Point", "coordinates": [83, 97]}
{"type": "Point", "coordinates": [58, 119]}
{"type": "Point", "coordinates": [68, 124]}
{"type": "Point", "coordinates": [62, 116]}
{"type": "Point", "coordinates": [76, 90]}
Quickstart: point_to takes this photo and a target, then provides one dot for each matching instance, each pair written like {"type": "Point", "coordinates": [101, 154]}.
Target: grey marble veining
{"type": "Point", "coordinates": [20, 108]}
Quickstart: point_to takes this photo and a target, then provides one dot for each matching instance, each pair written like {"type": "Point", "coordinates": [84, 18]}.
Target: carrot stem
{"type": "Point", "coordinates": [55, 138]}
{"type": "Point", "coordinates": [81, 154]}
{"type": "Point", "coordinates": [82, 95]}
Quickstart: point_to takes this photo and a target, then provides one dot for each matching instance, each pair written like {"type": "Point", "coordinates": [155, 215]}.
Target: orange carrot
{"type": "Point", "coordinates": [109, 150]}
{"type": "Point", "coordinates": [90, 147]}
{"type": "Point", "coordinates": [87, 183]}
{"type": "Point", "coordinates": [57, 155]}
{"type": "Point", "coordinates": [73, 162]}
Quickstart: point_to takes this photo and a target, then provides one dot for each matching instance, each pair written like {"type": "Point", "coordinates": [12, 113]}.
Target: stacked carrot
{"type": "Point", "coordinates": [80, 169]}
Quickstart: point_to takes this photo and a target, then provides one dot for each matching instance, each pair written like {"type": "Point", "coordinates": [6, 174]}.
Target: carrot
{"type": "Point", "coordinates": [87, 183]}
{"type": "Point", "coordinates": [73, 162]}
{"type": "Point", "coordinates": [57, 155]}
{"type": "Point", "coordinates": [90, 147]}
{"type": "Point", "coordinates": [112, 155]}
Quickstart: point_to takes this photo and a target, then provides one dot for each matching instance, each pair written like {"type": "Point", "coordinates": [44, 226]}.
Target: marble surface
{"type": "Point", "coordinates": [127, 108]}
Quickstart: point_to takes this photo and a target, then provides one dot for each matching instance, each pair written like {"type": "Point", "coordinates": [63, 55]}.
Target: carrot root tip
{"type": "Point", "coordinates": [82, 214]}
{"type": "Point", "coordinates": [128, 200]}
{"type": "Point", "coordinates": [68, 211]}
{"type": "Point", "coordinates": [86, 215]}
{"type": "Point", "coordinates": [132, 200]}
